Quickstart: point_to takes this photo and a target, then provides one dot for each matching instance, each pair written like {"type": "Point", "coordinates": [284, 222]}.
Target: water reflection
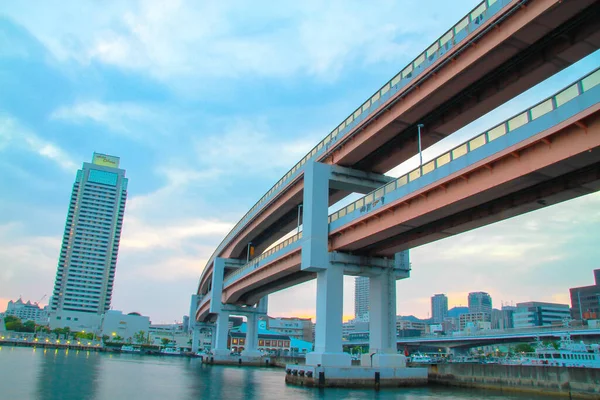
{"type": "Point", "coordinates": [65, 374]}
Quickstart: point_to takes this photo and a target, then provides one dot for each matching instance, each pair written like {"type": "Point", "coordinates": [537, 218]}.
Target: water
{"type": "Point", "coordinates": [27, 373]}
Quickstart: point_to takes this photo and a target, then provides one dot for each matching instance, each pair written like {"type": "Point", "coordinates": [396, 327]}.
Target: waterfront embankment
{"type": "Point", "coordinates": [576, 383]}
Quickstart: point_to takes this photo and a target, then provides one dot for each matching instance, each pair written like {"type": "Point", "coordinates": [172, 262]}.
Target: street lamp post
{"type": "Point", "coordinates": [419, 126]}
{"type": "Point", "coordinates": [299, 216]}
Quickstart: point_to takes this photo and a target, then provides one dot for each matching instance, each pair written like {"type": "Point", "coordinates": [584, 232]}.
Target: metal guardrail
{"type": "Point", "coordinates": [456, 35]}
{"type": "Point", "coordinates": [542, 108]}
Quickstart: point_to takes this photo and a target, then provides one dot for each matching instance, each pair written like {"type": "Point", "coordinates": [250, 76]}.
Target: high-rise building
{"type": "Point", "coordinates": [361, 297]}
{"type": "Point", "coordinates": [480, 302]}
{"type": "Point", "coordinates": [439, 308]}
{"type": "Point", "coordinates": [88, 255]}
{"type": "Point", "coordinates": [585, 300]}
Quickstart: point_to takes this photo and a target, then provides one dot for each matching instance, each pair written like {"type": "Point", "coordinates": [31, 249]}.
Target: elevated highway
{"type": "Point", "coordinates": [497, 51]}
{"type": "Point", "coordinates": [544, 155]}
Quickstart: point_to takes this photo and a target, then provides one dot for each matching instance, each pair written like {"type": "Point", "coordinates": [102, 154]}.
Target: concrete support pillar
{"type": "Point", "coordinates": [222, 333]}
{"type": "Point", "coordinates": [195, 339]}
{"type": "Point", "coordinates": [251, 346]}
{"type": "Point", "coordinates": [382, 322]}
{"type": "Point", "coordinates": [315, 227]}
{"type": "Point", "coordinates": [328, 332]}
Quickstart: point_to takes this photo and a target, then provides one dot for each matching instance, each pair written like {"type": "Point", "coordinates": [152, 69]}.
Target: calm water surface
{"type": "Point", "coordinates": [27, 373]}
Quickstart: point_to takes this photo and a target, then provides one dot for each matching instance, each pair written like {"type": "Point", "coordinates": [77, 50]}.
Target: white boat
{"type": "Point", "coordinates": [130, 349]}
{"type": "Point", "coordinates": [171, 351]}
{"type": "Point", "coordinates": [419, 358]}
{"type": "Point", "coordinates": [568, 354]}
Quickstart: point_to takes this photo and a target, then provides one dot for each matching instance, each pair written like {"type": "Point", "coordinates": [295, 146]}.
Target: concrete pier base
{"type": "Point", "coordinates": [383, 360]}
{"type": "Point", "coordinates": [376, 377]}
{"type": "Point", "coordinates": [329, 359]}
{"type": "Point", "coordinates": [252, 354]}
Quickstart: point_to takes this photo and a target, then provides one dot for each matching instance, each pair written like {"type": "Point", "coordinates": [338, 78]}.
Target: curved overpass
{"type": "Point", "coordinates": [498, 50]}
{"type": "Point", "coordinates": [544, 155]}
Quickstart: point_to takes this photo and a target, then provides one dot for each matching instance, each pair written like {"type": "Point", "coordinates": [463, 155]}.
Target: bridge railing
{"type": "Point", "coordinates": [544, 107]}
{"type": "Point", "coordinates": [366, 203]}
{"type": "Point", "coordinates": [256, 262]}
{"type": "Point", "coordinates": [407, 76]}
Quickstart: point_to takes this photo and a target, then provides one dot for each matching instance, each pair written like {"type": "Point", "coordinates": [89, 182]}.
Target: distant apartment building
{"type": "Point", "coordinates": [354, 326]}
{"type": "Point", "coordinates": [451, 324]}
{"type": "Point", "coordinates": [480, 302]}
{"type": "Point", "coordinates": [27, 311]}
{"type": "Point", "coordinates": [407, 325]}
{"type": "Point", "coordinates": [88, 257]}
{"type": "Point", "coordinates": [585, 300]}
{"type": "Point", "coordinates": [297, 328]}
{"type": "Point", "coordinates": [361, 297]}
{"type": "Point", "coordinates": [473, 319]}
{"type": "Point", "coordinates": [503, 319]}
{"type": "Point", "coordinates": [439, 308]}
{"type": "Point", "coordinates": [536, 313]}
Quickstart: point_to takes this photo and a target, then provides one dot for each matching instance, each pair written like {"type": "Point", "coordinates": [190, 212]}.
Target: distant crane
{"type": "Point", "coordinates": [38, 302]}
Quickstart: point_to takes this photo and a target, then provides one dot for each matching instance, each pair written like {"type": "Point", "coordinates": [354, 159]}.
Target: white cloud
{"type": "Point", "coordinates": [141, 235]}
{"type": "Point", "coordinates": [126, 118]}
{"type": "Point", "coordinates": [12, 133]}
{"type": "Point", "coordinates": [204, 40]}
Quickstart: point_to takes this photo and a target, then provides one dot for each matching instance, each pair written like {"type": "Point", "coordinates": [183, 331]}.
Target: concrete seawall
{"type": "Point", "coordinates": [581, 383]}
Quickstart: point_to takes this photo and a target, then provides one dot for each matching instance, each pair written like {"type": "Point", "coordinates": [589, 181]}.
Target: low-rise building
{"type": "Point", "coordinates": [126, 326]}
{"type": "Point", "coordinates": [537, 313]}
{"type": "Point", "coordinates": [297, 328]}
{"type": "Point", "coordinates": [27, 311]}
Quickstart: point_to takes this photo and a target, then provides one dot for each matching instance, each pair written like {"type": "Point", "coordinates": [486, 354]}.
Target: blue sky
{"type": "Point", "coordinates": [208, 104]}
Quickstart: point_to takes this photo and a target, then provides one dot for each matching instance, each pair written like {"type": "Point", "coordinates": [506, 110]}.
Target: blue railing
{"type": "Point", "coordinates": [543, 115]}
{"type": "Point", "coordinates": [456, 35]}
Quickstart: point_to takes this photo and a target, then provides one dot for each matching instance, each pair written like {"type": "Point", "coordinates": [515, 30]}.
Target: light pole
{"type": "Point", "coordinates": [419, 126]}
{"type": "Point", "coordinates": [299, 216]}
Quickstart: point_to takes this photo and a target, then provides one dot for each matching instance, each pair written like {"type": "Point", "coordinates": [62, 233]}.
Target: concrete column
{"type": "Point", "coordinates": [222, 332]}
{"type": "Point", "coordinates": [195, 339]}
{"type": "Point", "coordinates": [315, 227]}
{"type": "Point", "coordinates": [251, 346]}
{"type": "Point", "coordinates": [328, 332]}
{"type": "Point", "coordinates": [382, 322]}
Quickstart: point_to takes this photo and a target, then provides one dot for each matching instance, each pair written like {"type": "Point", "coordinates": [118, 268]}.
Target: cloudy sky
{"type": "Point", "coordinates": [208, 104]}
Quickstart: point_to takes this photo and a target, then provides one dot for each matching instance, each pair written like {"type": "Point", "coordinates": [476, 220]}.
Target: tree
{"type": "Point", "coordinates": [165, 341]}
{"type": "Point", "coordinates": [105, 338]}
{"type": "Point", "coordinates": [13, 323]}
{"type": "Point", "coordinates": [524, 348]}
{"type": "Point", "coordinates": [29, 326]}
{"type": "Point", "coordinates": [140, 337]}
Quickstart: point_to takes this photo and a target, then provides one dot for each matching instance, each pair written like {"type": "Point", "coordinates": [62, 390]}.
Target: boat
{"type": "Point", "coordinates": [171, 351]}
{"type": "Point", "coordinates": [419, 358]}
{"type": "Point", "coordinates": [568, 354]}
{"type": "Point", "coordinates": [131, 349]}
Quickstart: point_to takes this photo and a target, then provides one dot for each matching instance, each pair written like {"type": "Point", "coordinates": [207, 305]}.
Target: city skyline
{"type": "Point", "coordinates": [190, 143]}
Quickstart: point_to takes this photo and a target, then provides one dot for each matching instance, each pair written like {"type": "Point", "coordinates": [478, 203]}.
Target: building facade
{"type": "Point", "coordinates": [480, 302]}
{"type": "Point", "coordinates": [585, 300]}
{"type": "Point", "coordinates": [439, 308]}
{"type": "Point", "coordinates": [297, 328]}
{"type": "Point", "coordinates": [27, 311]}
{"type": "Point", "coordinates": [88, 256]}
{"type": "Point", "coordinates": [537, 313]}
{"type": "Point", "coordinates": [116, 324]}
{"type": "Point", "coordinates": [361, 297]}
{"type": "Point", "coordinates": [476, 319]}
